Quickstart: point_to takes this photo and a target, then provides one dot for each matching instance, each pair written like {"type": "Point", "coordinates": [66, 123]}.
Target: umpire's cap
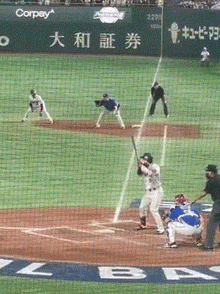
{"type": "Point", "coordinates": [148, 157]}
{"type": "Point", "coordinates": [212, 168]}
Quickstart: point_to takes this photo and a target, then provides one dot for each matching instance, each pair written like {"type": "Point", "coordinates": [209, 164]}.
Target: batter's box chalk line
{"type": "Point", "coordinates": [105, 226]}
{"type": "Point", "coordinates": [111, 225]}
{"type": "Point", "coordinates": [38, 232]}
{"type": "Point", "coordinates": [102, 229]}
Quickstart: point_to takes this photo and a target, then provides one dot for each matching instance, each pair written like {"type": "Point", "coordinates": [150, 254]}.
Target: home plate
{"type": "Point", "coordinates": [136, 126]}
{"type": "Point", "coordinates": [105, 231]}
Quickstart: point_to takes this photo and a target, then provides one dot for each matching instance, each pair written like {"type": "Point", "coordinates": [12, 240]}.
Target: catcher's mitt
{"type": "Point", "coordinates": [97, 103]}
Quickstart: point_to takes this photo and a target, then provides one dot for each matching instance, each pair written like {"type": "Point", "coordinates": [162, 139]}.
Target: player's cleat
{"type": "Point", "coordinates": [97, 126]}
{"type": "Point", "coordinates": [141, 227]}
{"type": "Point", "coordinates": [160, 232]}
{"type": "Point", "coordinates": [199, 242]}
{"type": "Point", "coordinates": [23, 120]}
{"type": "Point", "coordinates": [167, 115]}
{"type": "Point", "coordinates": [51, 121]}
{"type": "Point", "coordinates": [123, 127]}
{"type": "Point", "coordinates": [170, 245]}
{"type": "Point", "coordinates": [206, 248]}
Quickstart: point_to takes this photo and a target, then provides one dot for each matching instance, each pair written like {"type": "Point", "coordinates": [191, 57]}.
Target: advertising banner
{"type": "Point", "coordinates": [187, 31]}
{"type": "Point", "coordinates": [99, 30]}
{"type": "Point", "coordinates": [109, 30]}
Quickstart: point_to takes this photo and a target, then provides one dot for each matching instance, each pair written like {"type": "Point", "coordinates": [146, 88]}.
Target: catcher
{"type": "Point", "coordinates": [36, 104]}
{"type": "Point", "coordinates": [184, 220]}
{"type": "Point", "coordinates": [109, 106]}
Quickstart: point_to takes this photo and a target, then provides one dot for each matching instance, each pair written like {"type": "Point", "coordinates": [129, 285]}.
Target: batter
{"type": "Point", "coordinates": [154, 192]}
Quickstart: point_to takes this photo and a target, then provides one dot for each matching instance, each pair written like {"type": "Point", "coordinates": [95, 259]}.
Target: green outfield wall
{"type": "Point", "coordinates": [109, 30]}
{"type": "Point", "coordinates": [187, 31]}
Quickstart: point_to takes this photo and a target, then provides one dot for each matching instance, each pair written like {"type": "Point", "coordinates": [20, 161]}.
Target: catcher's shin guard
{"type": "Point", "coordinates": [143, 224]}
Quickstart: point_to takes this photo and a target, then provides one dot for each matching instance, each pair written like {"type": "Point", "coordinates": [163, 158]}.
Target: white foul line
{"type": "Point", "coordinates": [164, 147]}
{"type": "Point", "coordinates": [124, 188]}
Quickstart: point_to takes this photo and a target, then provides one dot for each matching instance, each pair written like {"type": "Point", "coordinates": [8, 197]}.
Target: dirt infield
{"type": "Point", "coordinates": [110, 129]}
{"type": "Point", "coordinates": [88, 236]}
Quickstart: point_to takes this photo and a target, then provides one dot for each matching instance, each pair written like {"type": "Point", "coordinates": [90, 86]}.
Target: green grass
{"type": "Point", "coordinates": [57, 168]}
{"type": "Point", "coordinates": [45, 168]}
{"type": "Point", "coordinates": [22, 286]}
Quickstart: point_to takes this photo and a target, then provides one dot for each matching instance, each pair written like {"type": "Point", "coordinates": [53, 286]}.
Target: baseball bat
{"type": "Point", "coordinates": [135, 148]}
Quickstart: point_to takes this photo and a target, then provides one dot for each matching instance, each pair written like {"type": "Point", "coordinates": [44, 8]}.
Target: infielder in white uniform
{"type": "Point", "coordinates": [183, 220]}
{"type": "Point", "coordinates": [37, 105]}
{"type": "Point", "coordinates": [154, 192]}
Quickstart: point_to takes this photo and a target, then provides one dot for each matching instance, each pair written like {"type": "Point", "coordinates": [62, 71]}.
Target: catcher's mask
{"type": "Point", "coordinates": [148, 157]}
{"type": "Point", "coordinates": [105, 96]}
{"type": "Point", "coordinates": [180, 198]}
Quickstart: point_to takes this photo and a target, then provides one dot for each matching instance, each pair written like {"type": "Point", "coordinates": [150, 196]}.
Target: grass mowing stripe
{"type": "Point", "coordinates": [43, 168]}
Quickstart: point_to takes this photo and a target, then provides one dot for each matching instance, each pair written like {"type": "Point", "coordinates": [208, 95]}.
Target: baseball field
{"type": "Point", "coordinates": [57, 177]}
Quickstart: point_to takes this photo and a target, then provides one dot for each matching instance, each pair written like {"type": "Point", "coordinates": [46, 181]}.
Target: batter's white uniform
{"type": "Point", "coordinates": [38, 105]}
{"type": "Point", "coordinates": [154, 194]}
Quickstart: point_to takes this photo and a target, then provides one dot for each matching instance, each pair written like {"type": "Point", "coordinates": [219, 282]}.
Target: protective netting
{"type": "Point", "coordinates": [69, 188]}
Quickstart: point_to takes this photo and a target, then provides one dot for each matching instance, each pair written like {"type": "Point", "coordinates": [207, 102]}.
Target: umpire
{"type": "Point", "coordinates": [157, 93]}
{"type": "Point", "coordinates": [213, 188]}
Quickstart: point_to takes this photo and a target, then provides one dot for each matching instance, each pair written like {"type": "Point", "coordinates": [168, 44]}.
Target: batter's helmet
{"type": "Point", "coordinates": [33, 92]}
{"type": "Point", "coordinates": [148, 157]}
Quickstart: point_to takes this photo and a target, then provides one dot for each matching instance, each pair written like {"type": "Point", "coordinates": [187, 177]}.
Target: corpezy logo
{"type": "Point", "coordinates": [109, 15]}
{"type": "Point", "coordinates": [33, 13]}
